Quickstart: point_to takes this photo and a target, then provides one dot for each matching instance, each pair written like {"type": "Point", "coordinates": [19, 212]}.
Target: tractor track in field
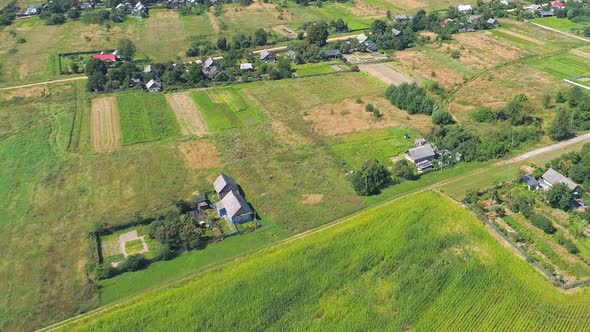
{"type": "Point", "coordinates": [131, 299]}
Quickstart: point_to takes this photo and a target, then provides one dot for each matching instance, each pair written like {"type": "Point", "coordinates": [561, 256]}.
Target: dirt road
{"type": "Point", "coordinates": [559, 31]}
{"type": "Point", "coordinates": [78, 78]}
{"type": "Point", "coordinates": [557, 146]}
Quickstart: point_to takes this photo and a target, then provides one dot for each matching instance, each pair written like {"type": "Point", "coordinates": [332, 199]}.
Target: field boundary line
{"type": "Point", "coordinates": [576, 84]}
{"type": "Point", "coordinates": [559, 31]}
{"type": "Point", "coordinates": [14, 87]}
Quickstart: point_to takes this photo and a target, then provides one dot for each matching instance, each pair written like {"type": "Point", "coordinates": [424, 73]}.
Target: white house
{"type": "Point", "coordinates": [464, 9]}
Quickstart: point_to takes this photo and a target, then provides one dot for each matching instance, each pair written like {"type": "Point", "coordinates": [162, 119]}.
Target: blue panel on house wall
{"type": "Point", "coordinates": [222, 212]}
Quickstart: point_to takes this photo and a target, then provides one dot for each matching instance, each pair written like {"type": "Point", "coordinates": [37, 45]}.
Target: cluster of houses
{"type": "Point", "coordinates": [34, 10]}
{"type": "Point", "coordinates": [549, 179]}
{"type": "Point", "coordinates": [472, 21]}
{"type": "Point", "coordinates": [546, 10]}
{"type": "Point", "coordinates": [127, 8]}
{"type": "Point", "coordinates": [366, 44]}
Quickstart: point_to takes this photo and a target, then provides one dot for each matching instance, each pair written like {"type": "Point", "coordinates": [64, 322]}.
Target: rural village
{"type": "Point", "coordinates": [325, 165]}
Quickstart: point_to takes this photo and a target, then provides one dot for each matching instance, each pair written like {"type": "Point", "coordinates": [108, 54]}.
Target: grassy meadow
{"type": "Point", "coordinates": [558, 23]}
{"type": "Point", "coordinates": [563, 65]}
{"type": "Point", "coordinates": [418, 263]}
{"type": "Point", "coordinates": [145, 117]}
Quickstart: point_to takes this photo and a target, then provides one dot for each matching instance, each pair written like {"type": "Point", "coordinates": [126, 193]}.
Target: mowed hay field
{"type": "Point", "coordinates": [146, 117]}
{"type": "Point", "coordinates": [426, 267]}
{"type": "Point", "coordinates": [187, 115]}
{"type": "Point", "coordinates": [104, 120]}
{"type": "Point", "coordinates": [52, 197]}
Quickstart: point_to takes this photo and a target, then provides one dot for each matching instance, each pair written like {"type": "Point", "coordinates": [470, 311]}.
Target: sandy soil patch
{"type": "Point", "coordinates": [104, 124]}
{"type": "Point", "coordinates": [312, 199]}
{"type": "Point", "coordinates": [213, 21]}
{"type": "Point", "coordinates": [580, 53]}
{"type": "Point", "coordinates": [521, 36]}
{"type": "Point", "coordinates": [421, 62]}
{"type": "Point", "coordinates": [482, 50]}
{"type": "Point", "coordinates": [283, 30]}
{"type": "Point", "coordinates": [385, 73]}
{"type": "Point", "coordinates": [189, 118]}
{"type": "Point", "coordinates": [200, 154]}
{"type": "Point", "coordinates": [349, 116]}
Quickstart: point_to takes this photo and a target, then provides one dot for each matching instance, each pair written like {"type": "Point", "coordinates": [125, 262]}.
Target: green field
{"type": "Point", "coordinates": [313, 69]}
{"type": "Point", "coordinates": [563, 65]}
{"type": "Point", "coordinates": [558, 23]}
{"type": "Point", "coordinates": [225, 108]}
{"type": "Point", "coordinates": [381, 144]}
{"type": "Point", "coordinates": [145, 117]}
{"type": "Point", "coordinates": [418, 262]}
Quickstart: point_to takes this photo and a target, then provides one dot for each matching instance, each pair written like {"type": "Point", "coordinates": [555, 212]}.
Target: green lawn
{"type": "Point", "coordinates": [313, 69]}
{"type": "Point", "coordinates": [133, 246]}
{"type": "Point", "coordinates": [145, 117]}
{"type": "Point", "coordinates": [225, 108]}
{"type": "Point", "coordinates": [558, 23]}
{"type": "Point", "coordinates": [381, 144]}
{"type": "Point", "coordinates": [417, 263]}
{"type": "Point", "coordinates": [563, 65]}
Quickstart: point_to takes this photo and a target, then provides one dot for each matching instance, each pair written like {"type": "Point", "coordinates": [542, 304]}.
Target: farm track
{"type": "Point", "coordinates": [560, 32]}
{"type": "Point", "coordinates": [79, 78]}
{"type": "Point", "coordinates": [211, 267]}
{"type": "Point", "coordinates": [187, 115]}
{"type": "Point", "coordinates": [104, 121]}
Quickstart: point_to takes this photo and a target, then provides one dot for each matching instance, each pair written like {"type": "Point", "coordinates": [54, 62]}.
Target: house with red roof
{"type": "Point", "coordinates": [108, 57]}
{"type": "Point", "coordinates": [558, 4]}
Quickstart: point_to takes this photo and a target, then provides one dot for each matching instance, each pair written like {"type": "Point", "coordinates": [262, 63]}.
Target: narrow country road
{"type": "Point", "coordinates": [559, 31]}
{"type": "Point", "coordinates": [549, 148]}
{"type": "Point", "coordinates": [78, 78]}
{"type": "Point", "coordinates": [133, 298]}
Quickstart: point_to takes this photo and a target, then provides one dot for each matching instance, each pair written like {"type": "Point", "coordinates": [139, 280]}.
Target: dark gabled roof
{"type": "Point", "coordinates": [531, 181]}
{"type": "Point", "coordinates": [265, 54]}
{"type": "Point", "coordinates": [224, 182]}
{"type": "Point", "coordinates": [424, 151]}
{"type": "Point", "coordinates": [152, 83]}
{"type": "Point", "coordinates": [553, 177]}
{"type": "Point", "coordinates": [333, 52]}
{"type": "Point", "coordinates": [209, 62]}
{"type": "Point", "coordinates": [234, 204]}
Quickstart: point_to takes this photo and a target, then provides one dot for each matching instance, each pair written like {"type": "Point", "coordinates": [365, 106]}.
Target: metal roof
{"type": "Point", "coordinates": [234, 204]}
{"type": "Point", "coordinates": [554, 177]}
{"type": "Point", "coordinates": [421, 152]}
{"type": "Point", "coordinates": [222, 182]}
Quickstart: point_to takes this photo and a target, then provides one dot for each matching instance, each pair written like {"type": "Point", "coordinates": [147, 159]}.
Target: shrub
{"type": "Point", "coordinates": [133, 263]}
{"type": "Point", "coordinates": [369, 108]}
{"type": "Point", "coordinates": [568, 244]}
{"type": "Point", "coordinates": [541, 222]}
{"type": "Point", "coordinates": [20, 40]}
{"type": "Point", "coordinates": [442, 117]}
{"type": "Point", "coordinates": [485, 115]}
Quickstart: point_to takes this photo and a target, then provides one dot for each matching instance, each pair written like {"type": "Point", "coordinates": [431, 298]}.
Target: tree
{"type": "Point", "coordinates": [56, 19]}
{"type": "Point", "coordinates": [378, 27]}
{"type": "Point", "coordinates": [370, 178]}
{"type": "Point", "coordinates": [134, 262]}
{"type": "Point", "coordinates": [442, 117]}
{"type": "Point", "coordinates": [96, 81]}
{"type": "Point", "coordinates": [587, 31]}
{"type": "Point", "coordinates": [284, 67]}
{"type": "Point", "coordinates": [403, 169]}
{"type": "Point", "coordinates": [559, 196]}
{"type": "Point", "coordinates": [222, 43]}
{"type": "Point", "coordinates": [126, 49]}
{"type": "Point", "coordinates": [260, 37]}
{"type": "Point", "coordinates": [547, 101]}
{"type": "Point", "coordinates": [560, 128]}
{"type": "Point", "coordinates": [74, 67]}
{"type": "Point", "coordinates": [317, 33]}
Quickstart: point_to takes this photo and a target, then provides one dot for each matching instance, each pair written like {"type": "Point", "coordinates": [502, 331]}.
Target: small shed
{"type": "Point", "coordinates": [331, 54]}
{"type": "Point", "coordinates": [531, 182]}
{"type": "Point", "coordinates": [464, 9]}
{"type": "Point", "coordinates": [246, 66]}
{"type": "Point", "coordinates": [396, 32]}
{"type": "Point", "coordinates": [418, 142]}
{"type": "Point", "coordinates": [153, 86]}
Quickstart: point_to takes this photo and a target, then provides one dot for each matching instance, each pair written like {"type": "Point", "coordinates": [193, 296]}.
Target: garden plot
{"type": "Point", "coordinates": [104, 121]}
{"type": "Point", "coordinates": [187, 115]}
{"type": "Point", "coordinates": [117, 246]}
{"type": "Point", "coordinates": [385, 73]}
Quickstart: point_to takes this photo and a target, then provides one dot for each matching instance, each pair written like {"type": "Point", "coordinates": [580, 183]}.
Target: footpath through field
{"type": "Point", "coordinates": [559, 31]}
{"type": "Point", "coordinates": [133, 298]}
{"type": "Point", "coordinates": [77, 78]}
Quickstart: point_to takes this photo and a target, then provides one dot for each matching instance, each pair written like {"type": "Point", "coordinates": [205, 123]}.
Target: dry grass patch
{"type": "Point", "coordinates": [25, 93]}
{"type": "Point", "coordinates": [349, 116]}
{"type": "Point", "coordinates": [213, 21]}
{"type": "Point", "coordinates": [521, 36]}
{"type": "Point", "coordinates": [498, 91]}
{"type": "Point", "coordinates": [312, 199]}
{"type": "Point", "coordinates": [187, 115]}
{"type": "Point", "coordinates": [407, 4]}
{"type": "Point", "coordinates": [200, 154]}
{"type": "Point", "coordinates": [482, 50]}
{"type": "Point", "coordinates": [422, 63]}
{"type": "Point", "coordinates": [580, 53]}
{"type": "Point", "coordinates": [288, 135]}
{"type": "Point", "coordinates": [104, 121]}
{"type": "Point", "coordinates": [361, 8]}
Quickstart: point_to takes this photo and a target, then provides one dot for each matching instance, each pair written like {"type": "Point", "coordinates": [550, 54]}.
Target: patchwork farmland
{"type": "Point", "coordinates": [187, 115]}
{"type": "Point", "coordinates": [106, 131]}
{"type": "Point", "coordinates": [73, 162]}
